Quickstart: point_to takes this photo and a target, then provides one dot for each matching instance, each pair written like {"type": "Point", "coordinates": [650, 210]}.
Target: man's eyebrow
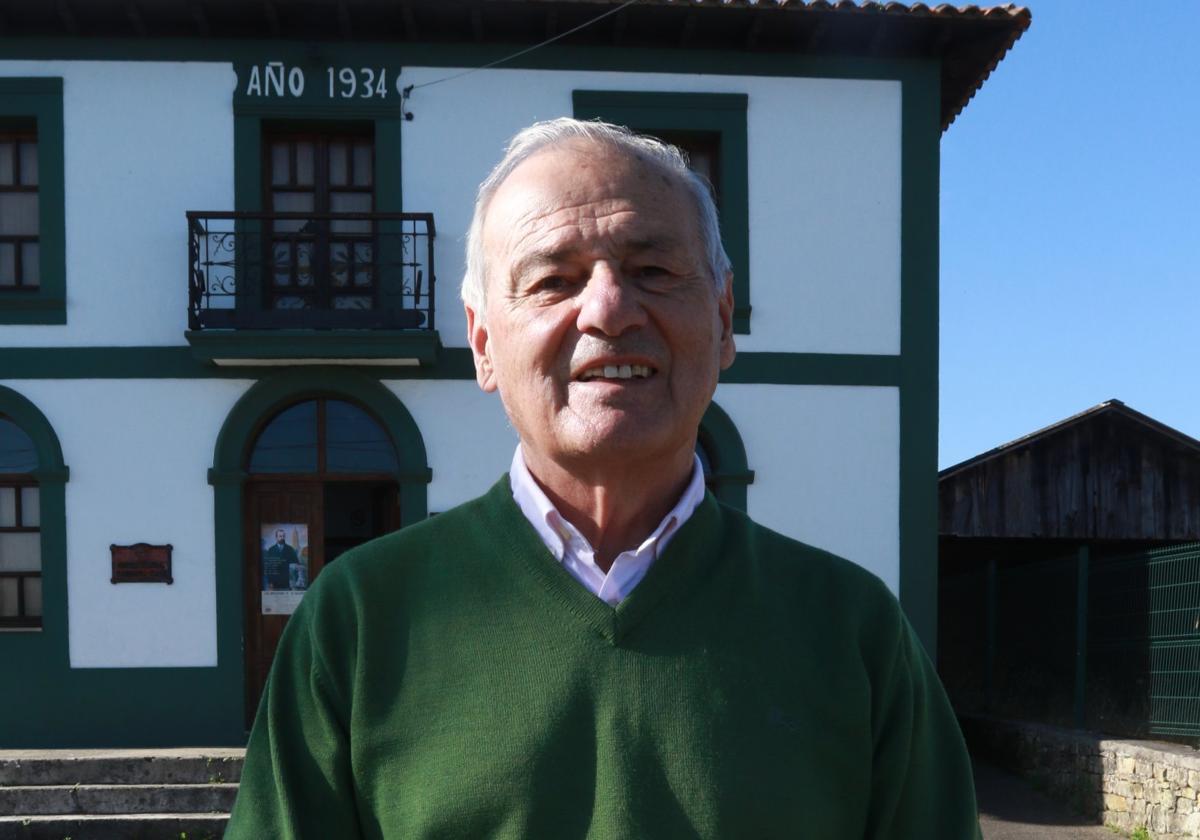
{"type": "Point", "coordinates": [538, 259]}
{"type": "Point", "coordinates": [543, 259]}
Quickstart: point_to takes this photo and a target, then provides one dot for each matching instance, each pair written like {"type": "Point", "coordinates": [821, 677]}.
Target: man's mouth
{"type": "Point", "coordinates": [617, 372]}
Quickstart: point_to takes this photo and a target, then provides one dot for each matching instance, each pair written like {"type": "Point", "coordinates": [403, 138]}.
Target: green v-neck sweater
{"type": "Point", "coordinates": [452, 680]}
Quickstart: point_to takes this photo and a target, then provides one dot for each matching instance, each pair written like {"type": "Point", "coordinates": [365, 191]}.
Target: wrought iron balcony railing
{"type": "Point", "coordinates": [310, 270]}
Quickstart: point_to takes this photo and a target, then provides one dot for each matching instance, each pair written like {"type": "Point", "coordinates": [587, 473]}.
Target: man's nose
{"type": "Point", "coordinates": [609, 304]}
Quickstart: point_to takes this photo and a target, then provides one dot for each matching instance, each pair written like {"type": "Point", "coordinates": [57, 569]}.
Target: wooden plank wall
{"type": "Point", "coordinates": [1105, 477]}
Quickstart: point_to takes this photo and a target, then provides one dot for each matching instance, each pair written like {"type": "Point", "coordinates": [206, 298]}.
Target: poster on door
{"type": "Point", "coordinates": [284, 565]}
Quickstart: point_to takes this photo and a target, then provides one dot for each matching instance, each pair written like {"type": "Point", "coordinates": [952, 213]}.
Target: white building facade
{"type": "Point", "coordinates": [232, 310]}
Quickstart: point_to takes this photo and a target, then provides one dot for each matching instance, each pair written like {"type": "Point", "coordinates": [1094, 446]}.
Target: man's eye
{"type": "Point", "coordinates": [552, 283]}
{"type": "Point", "coordinates": [651, 271]}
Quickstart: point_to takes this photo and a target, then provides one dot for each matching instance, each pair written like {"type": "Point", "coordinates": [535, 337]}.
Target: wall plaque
{"type": "Point", "coordinates": [141, 563]}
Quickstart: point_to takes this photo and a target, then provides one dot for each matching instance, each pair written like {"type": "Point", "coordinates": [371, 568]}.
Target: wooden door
{"type": "Point", "coordinates": [284, 552]}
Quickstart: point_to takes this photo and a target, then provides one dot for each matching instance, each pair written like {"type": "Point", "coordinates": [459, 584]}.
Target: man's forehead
{"type": "Point", "coordinates": [581, 189]}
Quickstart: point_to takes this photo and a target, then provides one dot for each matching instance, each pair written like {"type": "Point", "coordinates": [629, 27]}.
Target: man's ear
{"type": "Point", "coordinates": [477, 337]}
{"type": "Point", "coordinates": [725, 309]}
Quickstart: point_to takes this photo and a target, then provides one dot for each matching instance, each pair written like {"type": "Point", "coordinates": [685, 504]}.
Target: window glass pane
{"type": "Point", "coordinates": [353, 301]}
{"type": "Point", "coordinates": [293, 202]}
{"type": "Point", "coordinates": [362, 164]}
{"type": "Point", "coordinates": [304, 164]}
{"type": "Point", "coordinates": [304, 261]}
{"type": "Point", "coordinates": [18, 214]}
{"type": "Point", "coordinates": [7, 149]}
{"type": "Point", "coordinates": [8, 507]}
{"type": "Point", "coordinates": [289, 442]}
{"type": "Point", "coordinates": [8, 597]}
{"type": "Point", "coordinates": [339, 263]}
{"type": "Point", "coordinates": [30, 265]}
{"type": "Point", "coordinates": [339, 175]}
{"type": "Point", "coordinates": [355, 442]}
{"type": "Point", "coordinates": [31, 509]}
{"type": "Point", "coordinates": [33, 596]}
{"type": "Point", "coordinates": [20, 552]}
{"type": "Point", "coordinates": [363, 263]}
{"type": "Point", "coordinates": [350, 202]}
{"type": "Point", "coordinates": [16, 449]}
{"type": "Point", "coordinates": [279, 163]}
{"type": "Point", "coordinates": [29, 164]}
{"type": "Point", "coordinates": [8, 264]}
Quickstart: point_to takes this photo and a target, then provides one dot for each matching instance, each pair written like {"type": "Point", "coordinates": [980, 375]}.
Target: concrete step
{"type": "Point", "coordinates": [120, 767]}
{"type": "Point", "coordinates": [30, 800]}
{"type": "Point", "coordinates": [115, 827]}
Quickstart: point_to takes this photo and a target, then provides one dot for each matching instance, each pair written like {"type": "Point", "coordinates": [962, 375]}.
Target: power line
{"type": "Point", "coordinates": [520, 53]}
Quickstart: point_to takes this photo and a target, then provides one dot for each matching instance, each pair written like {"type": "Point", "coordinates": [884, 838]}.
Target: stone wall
{"type": "Point", "coordinates": [1124, 784]}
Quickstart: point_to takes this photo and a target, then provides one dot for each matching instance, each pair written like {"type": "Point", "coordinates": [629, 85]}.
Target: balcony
{"type": "Point", "coordinates": [311, 287]}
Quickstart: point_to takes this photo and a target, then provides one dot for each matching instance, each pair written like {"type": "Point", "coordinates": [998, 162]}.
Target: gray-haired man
{"type": "Point", "coordinates": [597, 648]}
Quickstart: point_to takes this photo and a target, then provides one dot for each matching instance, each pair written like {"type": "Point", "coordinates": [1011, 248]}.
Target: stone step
{"type": "Point", "coordinates": [115, 827]}
{"type": "Point", "coordinates": [120, 767]}
{"type": "Point", "coordinates": [30, 800]}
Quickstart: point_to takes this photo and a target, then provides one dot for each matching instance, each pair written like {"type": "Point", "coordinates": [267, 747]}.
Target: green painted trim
{"type": "Point", "coordinates": [723, 113]}
{"type": "Point", "coordinates": [919, 207]}
{"type": "Point", "coordinates": [41, 99]}
{"type": "Point", "coordinates": [421, 345]}
{"type": "Point", "coordinates": [449, 363]}
{"type": "Point", "coordinates": [727, 455]}
{"type": "Point", "coordinates": [227, 476]}
{"type": "Point", "coordinates": [812, 369]}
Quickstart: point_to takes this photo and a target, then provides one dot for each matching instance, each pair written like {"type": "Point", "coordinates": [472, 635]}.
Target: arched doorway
{"type": "Point", "coordinates": [320, 479]}
{"type": "Point", "coordinates": [232, 482]}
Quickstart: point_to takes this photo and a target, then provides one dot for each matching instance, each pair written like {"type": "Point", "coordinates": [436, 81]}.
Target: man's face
{"type": "Point", "coordinates": [279, 536]}
{"type": "Point", "coordinates": [604, 331]}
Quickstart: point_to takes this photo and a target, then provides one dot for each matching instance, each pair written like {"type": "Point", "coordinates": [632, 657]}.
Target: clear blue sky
{"type": "Point", "coordinates": [1070, 227]}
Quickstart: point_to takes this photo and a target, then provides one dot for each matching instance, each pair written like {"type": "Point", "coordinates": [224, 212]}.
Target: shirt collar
{"type": "Point", "coordinates": [556, 532]}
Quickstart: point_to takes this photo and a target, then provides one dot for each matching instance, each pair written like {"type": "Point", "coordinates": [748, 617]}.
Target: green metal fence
{"type": "Point", "coordinates": [1090, 640]}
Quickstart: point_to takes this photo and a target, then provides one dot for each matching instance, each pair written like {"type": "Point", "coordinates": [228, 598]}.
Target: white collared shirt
{"type": "Point", "coordinates": [576, 554]}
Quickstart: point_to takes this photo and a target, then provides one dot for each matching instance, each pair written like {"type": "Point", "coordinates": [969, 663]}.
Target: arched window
{"type": "Point", "coordinates": [323, 436]}
{"type": "Point", "coordinates": [20, 529]}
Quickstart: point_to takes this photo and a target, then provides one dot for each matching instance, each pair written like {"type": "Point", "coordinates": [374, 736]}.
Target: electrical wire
{"type": "Point", "coordinates": [408, 90]}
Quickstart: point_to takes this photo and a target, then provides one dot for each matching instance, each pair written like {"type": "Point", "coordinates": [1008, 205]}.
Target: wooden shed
{"type": "Point", "coordinates": [1107, 473]}
{"type": "Point", "coordinates": [1069, 576]}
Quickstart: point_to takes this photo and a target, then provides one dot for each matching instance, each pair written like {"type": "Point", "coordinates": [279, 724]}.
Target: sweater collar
{"type": "Point", "coordinates": [682, 567]}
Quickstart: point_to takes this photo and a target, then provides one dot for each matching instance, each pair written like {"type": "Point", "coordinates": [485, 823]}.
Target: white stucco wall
{"type": "Point", "coordinates": [147, 141]}
{"type": "Point", "coordinates": [144, 142]}
{"type": "Point", "coordinates": [826, 463]}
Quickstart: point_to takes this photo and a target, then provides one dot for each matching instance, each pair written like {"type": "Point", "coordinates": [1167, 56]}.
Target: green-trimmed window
{"type": "Point", "coordinates": [711, 127]}
{"type": "Point", "coordinates": [32, 231]}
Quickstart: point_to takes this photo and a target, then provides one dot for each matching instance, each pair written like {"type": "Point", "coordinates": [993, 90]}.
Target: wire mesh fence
{"type": "Point", "coordinates": [1103, 642]}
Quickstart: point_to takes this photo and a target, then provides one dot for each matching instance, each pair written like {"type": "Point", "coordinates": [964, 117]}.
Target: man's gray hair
{"type": "Point", "coordinates": [543, 135]}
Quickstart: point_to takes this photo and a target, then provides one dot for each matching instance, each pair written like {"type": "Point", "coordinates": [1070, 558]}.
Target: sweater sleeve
{"type": "Point", "coordinates": [921, 780]}
{"type": "Point", "coordinates": [297, 780]}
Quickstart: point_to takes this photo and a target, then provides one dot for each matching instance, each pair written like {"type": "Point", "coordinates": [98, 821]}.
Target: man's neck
{"type": "Point", "coordinates": [613, 508]}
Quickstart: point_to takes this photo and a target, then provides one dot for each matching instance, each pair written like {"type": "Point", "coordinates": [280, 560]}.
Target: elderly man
{"type": "Point", "coordinates": [597, 648]}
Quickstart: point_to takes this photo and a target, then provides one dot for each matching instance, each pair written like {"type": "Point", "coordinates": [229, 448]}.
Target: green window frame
{"type": "Point", "coordinates": [721, 113]}
{"type": "Point", "coordinates": [40, 100]}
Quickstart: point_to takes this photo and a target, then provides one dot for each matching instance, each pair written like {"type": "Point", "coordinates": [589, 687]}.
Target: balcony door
{"type": "Point", "coordinates": [318, 262]}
